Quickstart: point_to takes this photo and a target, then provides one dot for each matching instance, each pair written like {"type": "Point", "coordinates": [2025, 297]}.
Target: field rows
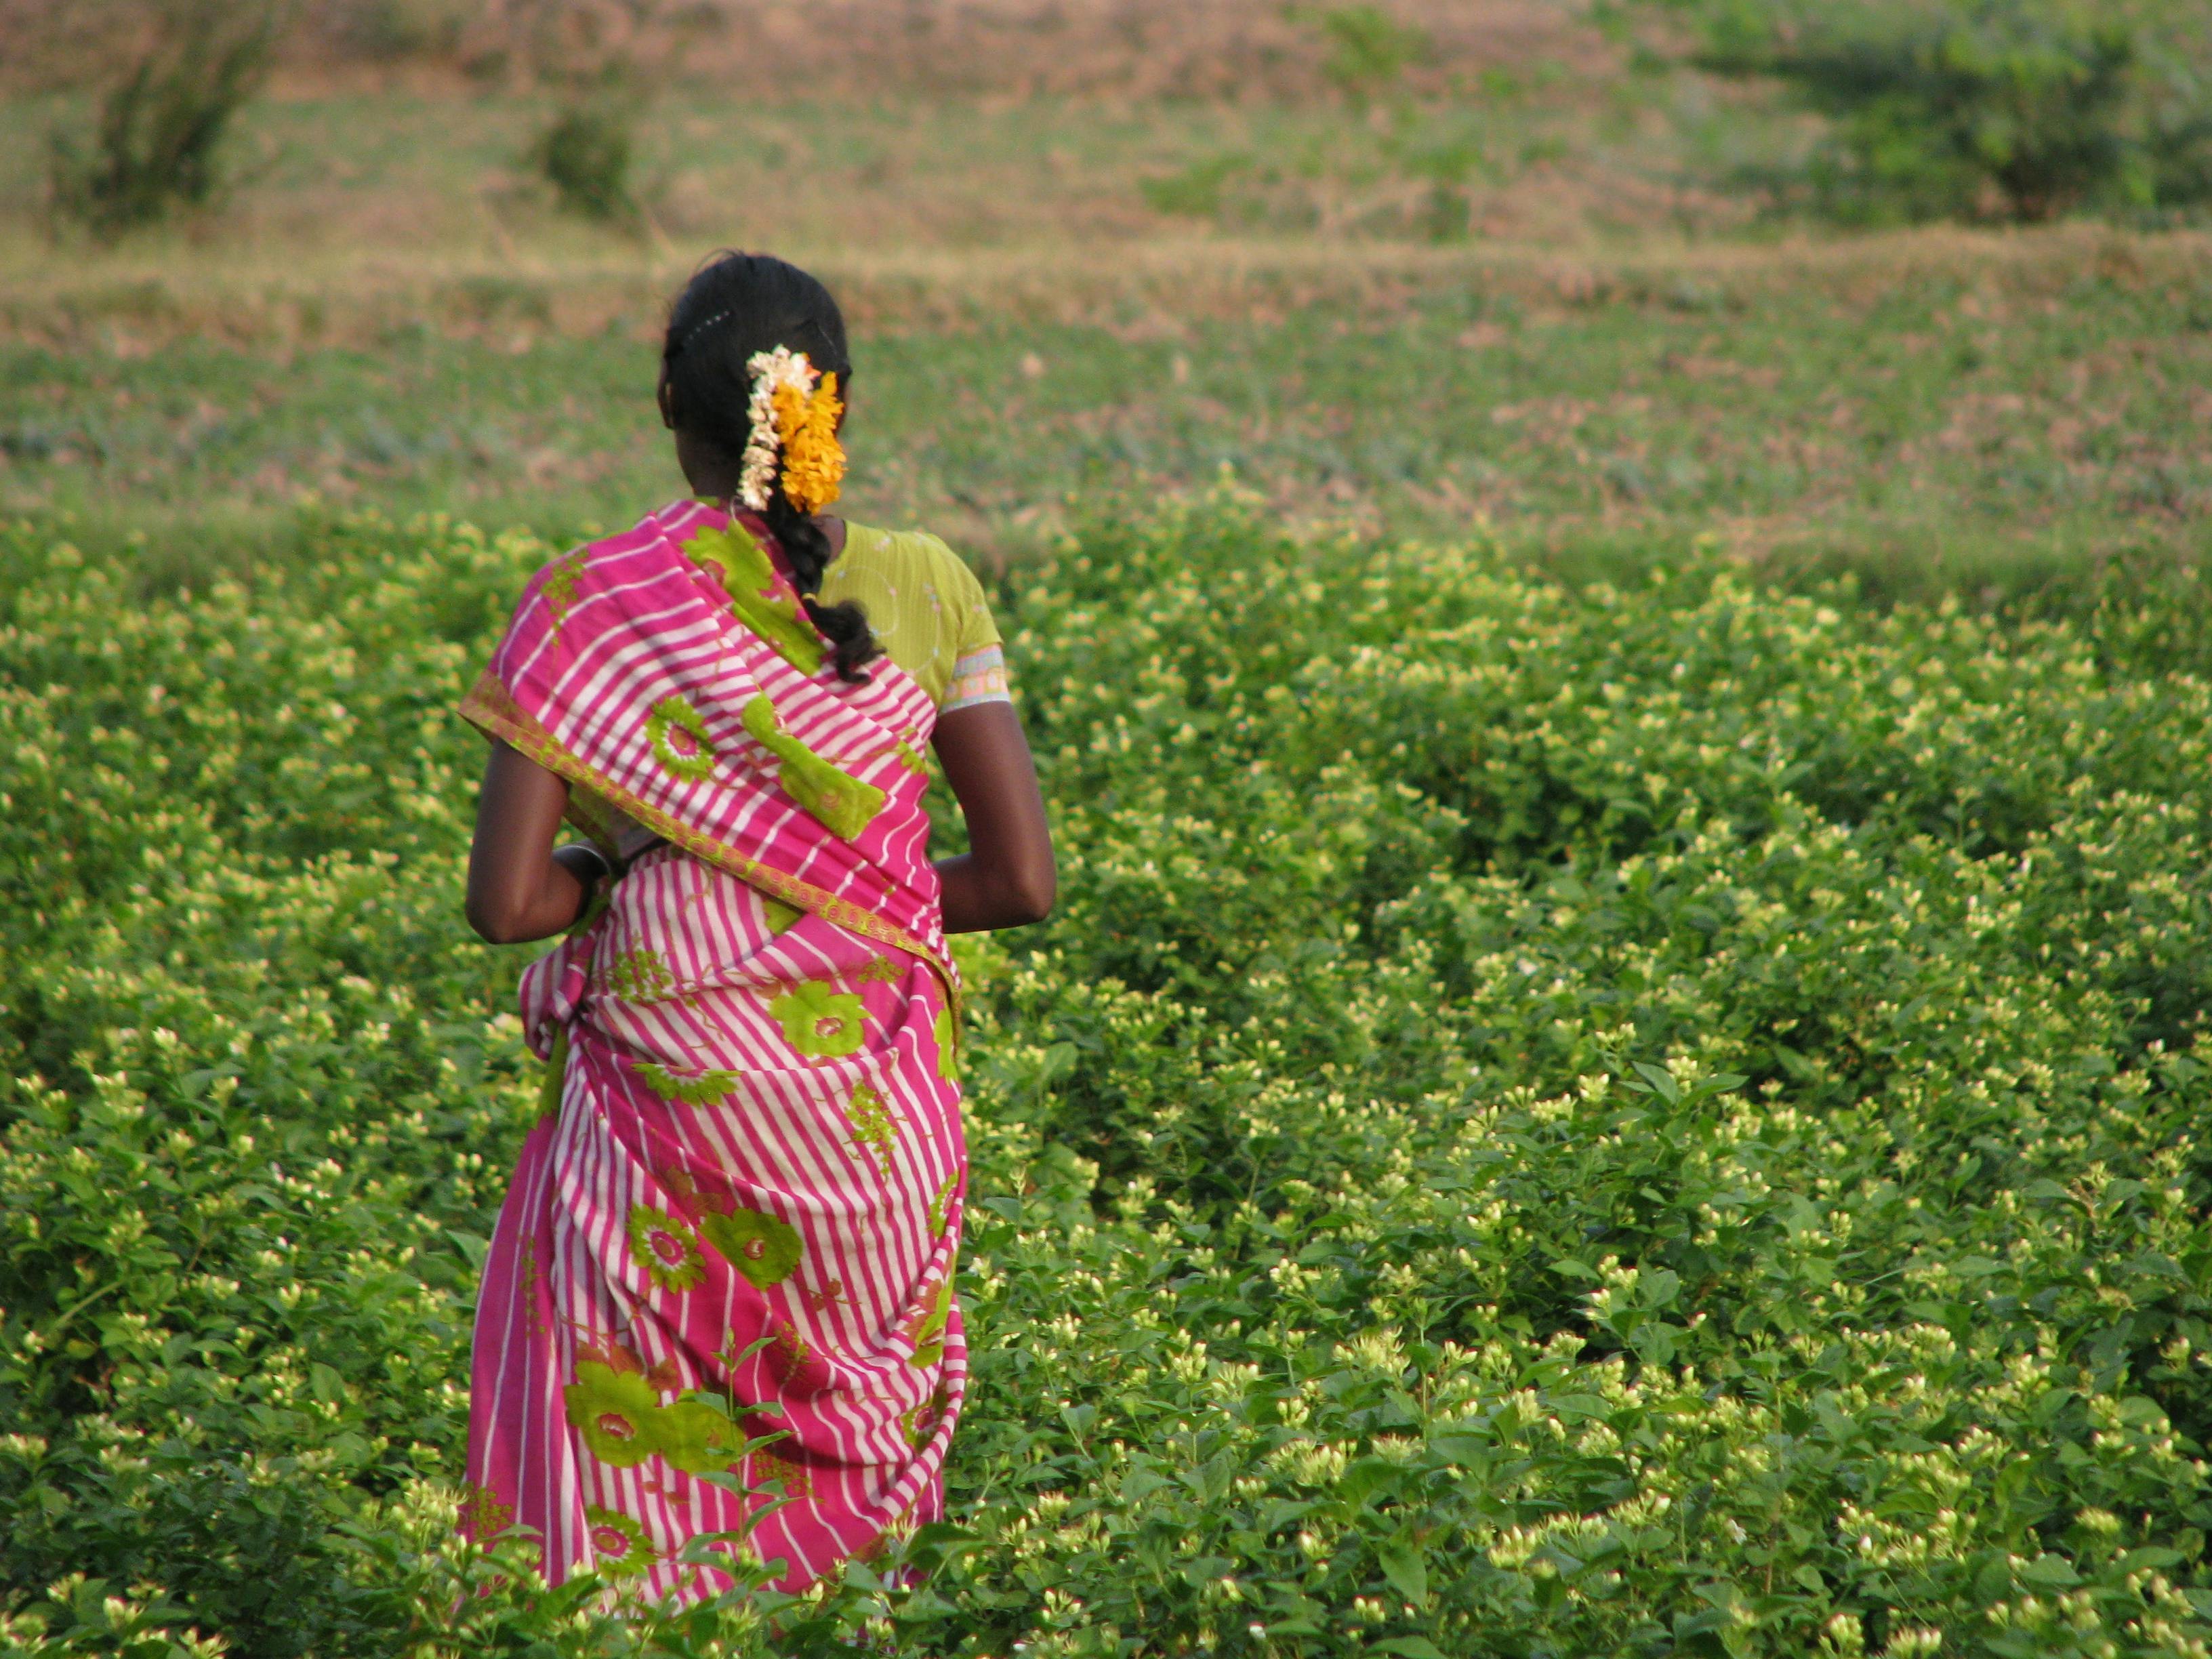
{"type": "Point", "coordinates": [1933, 413]}
{"type": "Point", "coordinates": [1655, 1118]}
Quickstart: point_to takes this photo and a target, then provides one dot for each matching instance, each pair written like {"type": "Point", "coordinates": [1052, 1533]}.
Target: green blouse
{"type": "Point", "coordinates": [927, 609]}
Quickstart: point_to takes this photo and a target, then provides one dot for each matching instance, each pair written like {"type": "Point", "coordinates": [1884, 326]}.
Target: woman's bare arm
{"type": "Point", "coordinates": [1006, 877]}
{"type": "Point", "coordinates": [519, 888]}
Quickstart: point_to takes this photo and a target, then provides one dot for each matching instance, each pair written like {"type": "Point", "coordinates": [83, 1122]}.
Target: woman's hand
{"type": "Point", "coordinates": [1006, 877]}
{"type": "Point", "coordinates": [519, 888]}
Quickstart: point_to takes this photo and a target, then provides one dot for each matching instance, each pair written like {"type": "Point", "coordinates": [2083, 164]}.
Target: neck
{"type": "Point", "coordinates": [713, 483]}
{"type": "Point", "coordinates": [707, 469]}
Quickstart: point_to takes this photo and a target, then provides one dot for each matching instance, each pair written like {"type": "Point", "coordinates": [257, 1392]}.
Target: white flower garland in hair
{"type": "Point", "coordinates": [770, 369]}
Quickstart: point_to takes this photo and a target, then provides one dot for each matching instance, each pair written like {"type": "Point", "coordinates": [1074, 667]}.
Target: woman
{"type": "Point", "coordinates": [740, 1213]}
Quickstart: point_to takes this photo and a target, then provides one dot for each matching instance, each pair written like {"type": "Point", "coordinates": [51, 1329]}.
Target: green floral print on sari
{"type": "Point", "coordinates": [840, 802]}
{"type": "Point", "coordinates": [677, 734]}
{"type": "Point", "coordinates": [948, 1050]}
{"type": "Point", "coordinates": [758, 1245]}
{"type": "Point", "coordinates": [819, 1022]}
{"type": "Point", "coordinates": [559, 587]}
{"type": "Point", "coordinates": [940, 1205]}
{"type": "Point", "coordinates": [665, 1248]}
{"type": "Point", "coordinates": [690, 1088]}
{"type": "Point", "coordinates": [640, 976]}
{"type": "Point", "coordinates": [616, 1412]}
{"type": "Point", "coordinates": [756, 598]}
{"type": "Point", "coordinates": [874, 1129]}
{"type": "Point", "coordinates": [622, 1549]}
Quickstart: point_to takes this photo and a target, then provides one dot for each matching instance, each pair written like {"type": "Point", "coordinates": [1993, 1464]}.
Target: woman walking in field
{"type": "Point", "coordinates": [740, 1211]}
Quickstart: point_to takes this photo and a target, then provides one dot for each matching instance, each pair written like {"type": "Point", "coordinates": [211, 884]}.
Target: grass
{"type": "Point", "coordinates": [1936, 407]}
{"type": "Point", "coordinates": [1594, 347]}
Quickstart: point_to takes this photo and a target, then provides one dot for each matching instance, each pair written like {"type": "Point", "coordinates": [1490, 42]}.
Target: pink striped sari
{"type": "Point", "coordinates": [748, 1180]}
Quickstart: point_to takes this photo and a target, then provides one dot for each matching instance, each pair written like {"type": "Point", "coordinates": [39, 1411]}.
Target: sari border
{"type": "Point", "coordinates": [492, 709]}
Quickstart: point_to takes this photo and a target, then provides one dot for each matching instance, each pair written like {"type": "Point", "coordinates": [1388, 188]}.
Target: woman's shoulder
{"type": "Point", "coordinates": [904, 576]}
{"type": "Point", "coordinates": [918, 554]}
{"type": "Point", "coordinates": [925, 604]}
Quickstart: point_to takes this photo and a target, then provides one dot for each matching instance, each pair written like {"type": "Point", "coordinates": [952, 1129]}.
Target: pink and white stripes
{"type": "Point", "coordinates": [750, 1191]}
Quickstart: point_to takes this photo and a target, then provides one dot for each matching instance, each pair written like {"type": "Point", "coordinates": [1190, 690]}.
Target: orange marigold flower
{"type": "Point", "coordinates": [807, 432]}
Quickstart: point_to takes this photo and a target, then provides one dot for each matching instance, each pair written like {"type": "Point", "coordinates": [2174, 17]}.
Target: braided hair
{"type": "Point", "coordinates": [739, 304]}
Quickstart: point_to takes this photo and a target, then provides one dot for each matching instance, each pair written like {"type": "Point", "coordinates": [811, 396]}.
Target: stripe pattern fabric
{"type": "Point", "coordinates": [626, 670]}
{"type": "Point", "coordinates": [719, 1295]}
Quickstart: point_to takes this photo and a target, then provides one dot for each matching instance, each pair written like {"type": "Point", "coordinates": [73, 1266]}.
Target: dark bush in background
{"type": "Point", "coordinates": [1934, 115]}
{"type": "Point", "coordinates": [1999, 109]}
{"type": "Point", "coordinates": [603, 57]}
{"type": "Point", "coordinates": [2180, 133]}
{"type": "Point", "coordinates": [586, 156]}
{"type": "Point", "coordinates": [161, 142]}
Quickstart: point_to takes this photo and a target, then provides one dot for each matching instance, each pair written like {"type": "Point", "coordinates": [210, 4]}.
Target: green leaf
{"type": "Point", "coordinates": [2048, 1572]}
{"type": "Point", "coordinates": [1405, 1563]}
{"type": "Point", "coordinates": [1580, 1407]}
{"type": "Point", "coordinates": [1993, 1579]}
{"type": "Point", "coordinates": [1464, 1450]}
{"type": "Point", "coordinates": [1059, 1060]}
{"type": "Point", "coordinates": [1366, 1477]}
{"type": "Point", "coordinates": [2151, 1558]}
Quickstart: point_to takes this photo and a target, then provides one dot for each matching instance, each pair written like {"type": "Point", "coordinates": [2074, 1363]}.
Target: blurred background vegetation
{"type": "Point", "coordinates": [1917, 287]}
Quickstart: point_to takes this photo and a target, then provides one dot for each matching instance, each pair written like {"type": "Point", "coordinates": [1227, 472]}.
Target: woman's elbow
{"type": "Point", "coordinates": [495, 923]}
{"type": "Point", "coordinates": [1032, 894]}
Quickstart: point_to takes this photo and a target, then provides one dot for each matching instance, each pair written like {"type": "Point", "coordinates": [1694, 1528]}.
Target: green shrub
{"type": "Point", "coordinates": [2010, 109]}
{"type": "Point", "coordinates": [1369, 50]}
{"type": "Point", "coordinates": [2178, 135]}
{"type": "Point", "coordinates": [1652, 1120]}
{"type": "Point", "coordinates": [586, 156]}
{"type": "Point", "coordinates": [164, 129]}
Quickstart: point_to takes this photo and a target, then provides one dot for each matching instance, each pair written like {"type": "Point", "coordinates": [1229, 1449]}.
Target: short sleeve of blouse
{"type": "Point", "coordinates": [927, 609]}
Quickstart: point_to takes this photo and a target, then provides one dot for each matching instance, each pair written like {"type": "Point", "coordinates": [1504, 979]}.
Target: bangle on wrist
{"type": "Point", "coordinates": [602, 868]}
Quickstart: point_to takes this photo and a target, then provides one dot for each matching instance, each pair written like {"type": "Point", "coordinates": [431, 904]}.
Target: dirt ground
{"type": "Point", "coordinates": [779, 49]}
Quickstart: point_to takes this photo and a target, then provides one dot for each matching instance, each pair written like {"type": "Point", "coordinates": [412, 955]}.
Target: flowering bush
{"type": "Point", "coordinates": [1548, 1122]}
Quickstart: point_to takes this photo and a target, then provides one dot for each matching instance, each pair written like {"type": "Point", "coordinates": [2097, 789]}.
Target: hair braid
{"type": "Point", "coordinates": [738, 305]}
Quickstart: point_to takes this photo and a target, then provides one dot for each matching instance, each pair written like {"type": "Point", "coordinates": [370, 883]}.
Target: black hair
{"type": "Point", "coordinates": [737, 305]}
